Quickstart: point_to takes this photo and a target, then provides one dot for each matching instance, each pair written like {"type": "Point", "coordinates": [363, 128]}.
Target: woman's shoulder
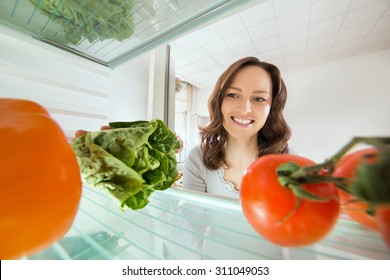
{"type": "Point", "coordinates": [195, 153]}
{"type": "Point", "coordinates": [292, 151]}
{"type": "Point", "coordinates": [194, 175]}
{"type": "Point", "coordinates": [196, 148]}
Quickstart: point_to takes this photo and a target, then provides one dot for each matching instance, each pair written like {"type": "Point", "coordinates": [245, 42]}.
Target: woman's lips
{"type": "Point", "coordinates": [242, 121]}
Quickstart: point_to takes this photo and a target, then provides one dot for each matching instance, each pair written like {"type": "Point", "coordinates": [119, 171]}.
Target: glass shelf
{"type": "Point", "coordinates": [111, 32]}
{"type": "Point", "coordinates": [182, 225]}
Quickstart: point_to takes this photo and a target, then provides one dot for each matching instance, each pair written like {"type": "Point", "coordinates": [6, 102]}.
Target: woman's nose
{"type": "Point", "coordinates": [245, 105]}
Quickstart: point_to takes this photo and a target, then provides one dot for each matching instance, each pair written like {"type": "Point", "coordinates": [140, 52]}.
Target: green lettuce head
{"type": "Point", "coordinates": [130, 161]}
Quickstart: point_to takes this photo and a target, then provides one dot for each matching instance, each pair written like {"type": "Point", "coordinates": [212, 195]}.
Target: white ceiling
{"type": "Point", "coordinates": [290, 34]}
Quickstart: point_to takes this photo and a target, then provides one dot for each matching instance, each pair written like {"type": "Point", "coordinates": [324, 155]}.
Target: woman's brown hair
{"type": "Point", "coordinates": [272, 137]}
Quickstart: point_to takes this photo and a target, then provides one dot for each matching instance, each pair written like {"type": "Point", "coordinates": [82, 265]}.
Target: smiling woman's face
{"type": "Point", "coordinates": [247, 102]}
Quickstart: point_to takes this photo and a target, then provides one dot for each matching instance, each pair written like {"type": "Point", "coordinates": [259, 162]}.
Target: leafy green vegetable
{"type": "Point", "coordinates": [131, 161]}
{"type": "Point", "coordinates": [91, 19]}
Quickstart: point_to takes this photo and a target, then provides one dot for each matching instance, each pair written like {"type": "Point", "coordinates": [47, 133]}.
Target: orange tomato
{"type": "Point", "coordinates": [40, 186]}
{"type": "Point", "coordinates": [355, 209]}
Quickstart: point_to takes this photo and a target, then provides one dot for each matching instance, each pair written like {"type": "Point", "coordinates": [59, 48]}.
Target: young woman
{"type": "Point", "coordinates": [246, 122]}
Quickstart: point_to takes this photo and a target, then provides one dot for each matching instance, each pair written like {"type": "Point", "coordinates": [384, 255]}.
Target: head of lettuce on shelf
{"type": "Point", "coordinates": [130, 160]}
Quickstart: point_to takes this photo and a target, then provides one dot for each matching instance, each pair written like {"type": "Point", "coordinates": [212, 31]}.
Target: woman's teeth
{"type": "Point", "coordinates": [241, 121]}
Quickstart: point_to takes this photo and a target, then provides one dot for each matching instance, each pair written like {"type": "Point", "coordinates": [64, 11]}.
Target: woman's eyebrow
{"type": "Point", "coordinates": [235, 88]}
{"type": "Point", "coordinates": [255, 91]}
{"type": "Point", "coordinates": [260, 91]}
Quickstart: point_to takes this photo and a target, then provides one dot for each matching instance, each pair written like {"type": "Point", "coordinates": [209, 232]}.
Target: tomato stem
{"type": "Point", "coordinates": [379, 142]}
{"type": "Point", "coordinates": [293, 176]}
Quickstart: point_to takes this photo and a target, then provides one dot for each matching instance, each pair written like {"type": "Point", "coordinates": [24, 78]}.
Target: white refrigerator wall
{"type": "Point", "coordinates": [130, 87]}
{"type": "Point", "coordinates": [330, 103]}
{"type": "Point", "coordinates": [78, 93]}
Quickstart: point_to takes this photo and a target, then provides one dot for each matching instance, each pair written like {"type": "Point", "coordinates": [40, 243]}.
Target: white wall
{"type": "Point", "coordinates": [74, 90]}
{"type": "Point", "coordinates": [129, 99]}
{"type": "Point", "coordinates": [329, 104]}
{"type": "Point", "coordinates": [78, 93]}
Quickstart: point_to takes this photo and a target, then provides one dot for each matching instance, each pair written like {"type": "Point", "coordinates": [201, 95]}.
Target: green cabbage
{"type": "Point", "coordinates": [93, 20]}
{"type": "Point", "coordinates": [131, 161]}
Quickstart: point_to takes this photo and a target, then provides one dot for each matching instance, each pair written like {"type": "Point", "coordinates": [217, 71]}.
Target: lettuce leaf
{"type": "Point", "coordinates": [130, 161]}
{"type": "Point", "coordinates": [90, 19]}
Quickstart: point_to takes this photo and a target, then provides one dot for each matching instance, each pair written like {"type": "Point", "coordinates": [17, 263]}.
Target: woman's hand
{"type": "Point", "coordinates": [82, 131]}
{"type": "Point", "coordinates": [181, 143]}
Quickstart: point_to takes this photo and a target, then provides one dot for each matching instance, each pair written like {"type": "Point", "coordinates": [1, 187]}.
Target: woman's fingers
{"type": "Point", "coordinates": [181, 144]}
{"type": "Point", "coordinates": [80, 132]}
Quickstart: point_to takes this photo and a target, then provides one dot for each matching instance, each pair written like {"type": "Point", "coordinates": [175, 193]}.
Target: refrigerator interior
{"type": "Point", "coordinates": [112, 32]}
{"type": "Point", "coordinates": [77, 92]}
{"type": "Point", "coordinates": [181, 225]}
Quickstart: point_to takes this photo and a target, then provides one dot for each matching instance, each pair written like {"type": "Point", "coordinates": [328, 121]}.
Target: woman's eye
{"type": "Point", "coordinates": [259, 99]}
{"type": "Point", "coordinates": [232, 95]}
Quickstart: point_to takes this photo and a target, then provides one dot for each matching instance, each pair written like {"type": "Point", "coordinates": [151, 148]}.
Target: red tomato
{"type": "Point", "coordinates": [40, 187]}
{"type": "Point", "coordinates": [356, 210]}
{"type": "Point", "coordinates": [265, 203]}
{"type": "Point", "coordinates": [382, 214]}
